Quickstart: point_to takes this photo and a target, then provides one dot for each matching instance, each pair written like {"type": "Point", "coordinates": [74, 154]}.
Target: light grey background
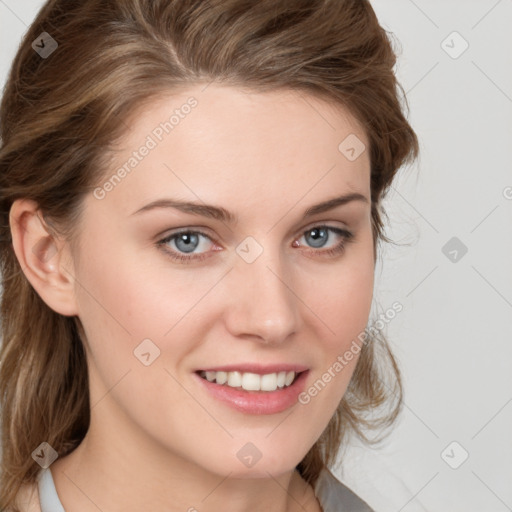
{"type": "Point", "coordinates": [454, 336]}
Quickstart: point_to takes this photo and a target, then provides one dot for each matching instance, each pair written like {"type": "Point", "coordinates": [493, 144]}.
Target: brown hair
{"type": "Point", "coordinates": [59, 116]}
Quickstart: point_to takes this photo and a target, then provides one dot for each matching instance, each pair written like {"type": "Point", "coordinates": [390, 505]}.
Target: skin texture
{"type": "Point", "coordinates": [157, 440]}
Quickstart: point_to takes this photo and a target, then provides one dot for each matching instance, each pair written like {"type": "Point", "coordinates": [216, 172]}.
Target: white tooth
{"type": "Point", "coordinates": [289, 378]}
{"type": "Point", "coordinates": [269, 382]}
{"type": "Point", "coordinates": [234, 379]}
{"type": "Point", "coordinates": [222, 377]}
{"type": "Point", "coordinates": [251, 382]}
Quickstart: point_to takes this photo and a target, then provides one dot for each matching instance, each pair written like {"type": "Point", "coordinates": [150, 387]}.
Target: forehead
{"type": "Point", "coordinates": [222, 143]}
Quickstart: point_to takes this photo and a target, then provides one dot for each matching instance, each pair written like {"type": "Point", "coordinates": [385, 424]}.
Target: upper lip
{"type": "Point", "coordinates": [256, 368]}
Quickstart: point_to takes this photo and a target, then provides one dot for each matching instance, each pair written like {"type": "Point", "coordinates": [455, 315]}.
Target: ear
{"type": "Point", "coordinates": [44, 258]}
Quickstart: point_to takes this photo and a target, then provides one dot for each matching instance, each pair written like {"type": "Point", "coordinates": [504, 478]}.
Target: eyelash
{"type": "Point", "coordinates": [347, 237]}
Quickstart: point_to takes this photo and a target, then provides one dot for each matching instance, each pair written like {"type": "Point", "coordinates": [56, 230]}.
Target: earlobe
{"type": "Point", "coordinates": [43, 257]}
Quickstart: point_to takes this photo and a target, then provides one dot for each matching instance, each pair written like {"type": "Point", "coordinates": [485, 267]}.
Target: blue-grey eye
{"type": "Point", "coordinates": [186, 242]}
{"type": "Point", "coordinates": [319, 236]}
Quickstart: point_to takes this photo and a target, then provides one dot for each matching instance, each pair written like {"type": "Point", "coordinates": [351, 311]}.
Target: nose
{"type": "Point", "coordinates": [263, 304]}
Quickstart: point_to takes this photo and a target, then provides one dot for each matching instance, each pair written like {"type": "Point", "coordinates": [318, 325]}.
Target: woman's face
{"type": "Point", "coordinates": [247, 299]}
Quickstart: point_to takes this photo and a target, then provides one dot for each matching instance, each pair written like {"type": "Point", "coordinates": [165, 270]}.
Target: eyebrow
{"type": "Point", "coordinates": [221, 214]}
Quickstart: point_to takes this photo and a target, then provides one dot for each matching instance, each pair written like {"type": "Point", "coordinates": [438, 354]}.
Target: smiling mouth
{"type": "Point", "coordinates": [251, 381]}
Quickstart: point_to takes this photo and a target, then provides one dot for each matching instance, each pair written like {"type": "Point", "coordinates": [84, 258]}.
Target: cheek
{"type": "Point", "coordinates": [125, 300]}
{"type": "Point", "coordinates": [341, 297]}
{"type": "Point", "coordinates": [341, 301]}
{"type": "Point", "coordinates": [129, 310]}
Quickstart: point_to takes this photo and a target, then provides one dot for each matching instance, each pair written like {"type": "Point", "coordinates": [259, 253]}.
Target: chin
{"type": "Point", "coordinates": [258, 471]}
{"type": "Point", "coordinates": [248, 463]}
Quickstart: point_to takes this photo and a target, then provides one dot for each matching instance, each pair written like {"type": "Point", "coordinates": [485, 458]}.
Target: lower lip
{"type": "Point", "coordinates": [257, 402]}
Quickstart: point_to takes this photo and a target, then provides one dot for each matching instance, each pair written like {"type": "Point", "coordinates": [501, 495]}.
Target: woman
{"type": "Point", "coordinates": [191, 199]}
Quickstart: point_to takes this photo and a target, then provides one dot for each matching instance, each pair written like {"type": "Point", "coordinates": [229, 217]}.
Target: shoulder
{"type": "Point", "coordinates": [27, 499]}
{"type": "Point", "coordinates": [335, 496]}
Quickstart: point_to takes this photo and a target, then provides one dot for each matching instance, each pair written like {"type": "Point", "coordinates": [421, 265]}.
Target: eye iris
{"type": "Point", "coordinates": [189, 239]}
{"type": "Point", "coordinates": [319, 236]}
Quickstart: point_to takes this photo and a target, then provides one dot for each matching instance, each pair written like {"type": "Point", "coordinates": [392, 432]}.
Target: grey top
{"type": "Point", "coordinates": [331, 493]}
